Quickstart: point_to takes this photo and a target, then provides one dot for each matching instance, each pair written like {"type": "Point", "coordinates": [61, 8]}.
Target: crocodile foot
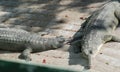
{"type": "Point", "coordinates": [26, 58]}
{"type": "Point", "coordinates": [26, 54]}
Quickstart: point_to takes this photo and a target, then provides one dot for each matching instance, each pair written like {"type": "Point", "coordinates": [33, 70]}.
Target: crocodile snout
{"type": "Point", "coordinates": [60, 39]}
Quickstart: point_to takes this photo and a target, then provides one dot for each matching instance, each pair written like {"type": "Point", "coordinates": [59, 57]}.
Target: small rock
{"type": "Point", "coordinates": [44, 61]}
{"type": "Point", "coordinates": [107, 63]}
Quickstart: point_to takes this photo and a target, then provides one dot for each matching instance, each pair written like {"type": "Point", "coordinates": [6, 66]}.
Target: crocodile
{"type": "Point", "coordinates": [13, 39]}
{"type": "Point", "coordinates": [96, 31]}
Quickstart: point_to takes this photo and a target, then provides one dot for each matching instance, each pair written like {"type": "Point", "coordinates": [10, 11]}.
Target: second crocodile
{"type": "Point", "coordinates": [97, 30]}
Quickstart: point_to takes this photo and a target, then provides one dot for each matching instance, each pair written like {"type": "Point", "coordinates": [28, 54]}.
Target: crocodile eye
{"type": "Point", "coordinates": [91, 52]}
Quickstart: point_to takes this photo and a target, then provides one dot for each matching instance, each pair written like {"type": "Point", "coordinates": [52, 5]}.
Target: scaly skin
{"type": "Point", "coordinates": [19, 40]}
{"type": "Point", "coordinates": [97, 30]}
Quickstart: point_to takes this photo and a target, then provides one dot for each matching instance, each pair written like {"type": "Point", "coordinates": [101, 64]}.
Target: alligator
{"type": "Point", "coordinates": [96, 31]}
{"type": "Point", "coordinates": [13, 39]}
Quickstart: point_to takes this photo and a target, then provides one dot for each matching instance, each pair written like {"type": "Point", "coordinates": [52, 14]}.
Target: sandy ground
{"type": "Point", "coordinates": [66, 21]}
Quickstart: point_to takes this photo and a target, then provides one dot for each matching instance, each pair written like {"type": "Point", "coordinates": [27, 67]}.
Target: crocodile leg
{"type": "Point", "coordinates": [116, 38]}
{"type": "Point", "coordinates": [117, 12]}
{"type": "Point", "coordinates": [26, 54]}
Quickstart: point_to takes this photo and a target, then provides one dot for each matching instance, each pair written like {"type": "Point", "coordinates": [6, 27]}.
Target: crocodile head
{"type": "Point", "coordinates": [58, 42]}
{"type": "Point", "coordinates": [89, 55]}
{"type": "Point", "coordinates": [91, 45]}
{"type": "Point", "coordinates": [60, 39]}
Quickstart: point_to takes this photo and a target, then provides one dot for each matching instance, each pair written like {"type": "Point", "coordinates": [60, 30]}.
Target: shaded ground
{"type": "Point", "coordinates": [62, 17]}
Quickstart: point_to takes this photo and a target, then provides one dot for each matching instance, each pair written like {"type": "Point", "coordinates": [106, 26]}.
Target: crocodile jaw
{"type": "Point", "coordinates": [97, 51]}
{"type": "Point", "coordinates": [91, 57]}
